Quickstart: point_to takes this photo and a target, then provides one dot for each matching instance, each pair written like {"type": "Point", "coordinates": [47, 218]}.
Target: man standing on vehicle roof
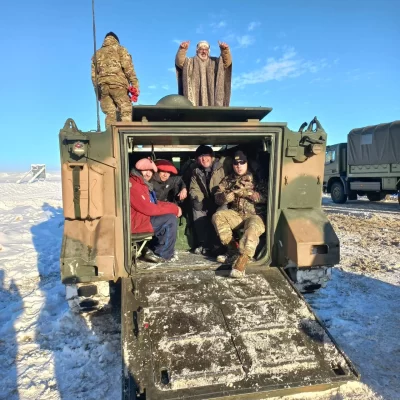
{"type": "Point", "coordinates": [246, 202]}
{"type": "Point", "coordinates": [204, 80]}
{"type": "Point", "coordinates": [206, 177]}
{"type": "Point", "coordinates": [115, 73]}
{"type": "Point", "coordinates": [150, 215]}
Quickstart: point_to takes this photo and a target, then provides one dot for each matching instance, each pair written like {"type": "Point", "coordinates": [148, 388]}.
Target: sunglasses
{"type": "Point", "coordinates": [239, 162]}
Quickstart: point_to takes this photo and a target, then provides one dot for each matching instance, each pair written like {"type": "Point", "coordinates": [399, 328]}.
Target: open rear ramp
{"type": "Point", "coordinates": [202, 335]}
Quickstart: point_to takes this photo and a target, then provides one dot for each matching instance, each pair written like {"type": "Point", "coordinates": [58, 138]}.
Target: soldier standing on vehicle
{"type": "Point", "coordinates": [115, 73]}
{"type": "Point", "coordinates": [204, 80]}
{"type": "Point", "coordinates": [246, 201]}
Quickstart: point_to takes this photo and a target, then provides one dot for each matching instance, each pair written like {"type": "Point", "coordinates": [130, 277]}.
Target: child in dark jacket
{"type": "Point", "coordinates": [167, 185]}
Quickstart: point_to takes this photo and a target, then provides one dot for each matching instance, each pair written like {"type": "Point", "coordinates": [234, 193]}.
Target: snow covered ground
{"type": "Point", "coordinates": [48, 353]}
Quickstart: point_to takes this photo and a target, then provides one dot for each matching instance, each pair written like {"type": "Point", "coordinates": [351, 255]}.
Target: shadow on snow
{"type": "Point", "coordinates": [85, 349]}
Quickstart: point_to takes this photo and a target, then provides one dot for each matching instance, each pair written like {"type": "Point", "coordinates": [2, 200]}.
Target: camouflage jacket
{"type": "Point", "coordinates": [114, 66]}
{"type": "Point", "coordinates": [250, 196]}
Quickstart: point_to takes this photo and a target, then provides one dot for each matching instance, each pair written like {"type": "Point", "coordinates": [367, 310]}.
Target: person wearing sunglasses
{"type": "Point", "coordinates": [244, 200]}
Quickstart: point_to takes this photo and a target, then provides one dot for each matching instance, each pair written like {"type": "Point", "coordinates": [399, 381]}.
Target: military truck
{"type": "Point", "coordinates": [367, 165]}
{"type": "Point", "coordinates": [188, 329]}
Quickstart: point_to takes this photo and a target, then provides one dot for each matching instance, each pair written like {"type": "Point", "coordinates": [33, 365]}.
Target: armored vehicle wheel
{"type": "Point", "coordinates": [88, 297]}
{"type": "Point", "coordinates": [309, 280]}
{"type": "Point", "coordinates": [375, 196]}
{"type": "Point", "coordinates": [337, 193]}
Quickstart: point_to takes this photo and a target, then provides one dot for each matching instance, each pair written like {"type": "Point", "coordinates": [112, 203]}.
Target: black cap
{"type": "Point", "coordinates": [239, 156]}
{"type": "Point", "coordinates": [113, 35]}
{"type": "Point", "coordinates": [204, 150]}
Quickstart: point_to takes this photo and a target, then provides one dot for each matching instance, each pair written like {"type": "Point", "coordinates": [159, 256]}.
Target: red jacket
{"type": "Point", "coordinates": [141, 207]}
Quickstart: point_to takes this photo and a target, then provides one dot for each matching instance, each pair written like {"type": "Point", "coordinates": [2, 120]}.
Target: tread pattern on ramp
{"type": "Point", "coordinates": [207, 330]}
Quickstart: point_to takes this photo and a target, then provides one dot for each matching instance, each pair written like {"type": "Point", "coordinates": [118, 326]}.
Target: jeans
{"type": "Point", "coordinates": [165, 231]}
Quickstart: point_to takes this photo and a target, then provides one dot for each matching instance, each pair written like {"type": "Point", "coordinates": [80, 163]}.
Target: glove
{"type": "Point", "coordinates": [134, 94]}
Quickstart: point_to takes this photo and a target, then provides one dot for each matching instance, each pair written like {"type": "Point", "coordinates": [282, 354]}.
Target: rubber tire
{"type": "Point", "coordinates": [338, 195]}
{"type": "Point", "coordinates": [375, 196]}
{"type": "Point", "coordinates": [352, 195]}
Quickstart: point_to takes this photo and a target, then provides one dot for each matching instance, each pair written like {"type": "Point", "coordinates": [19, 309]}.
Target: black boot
{"type": "Point", "coordinates": [148, 255]}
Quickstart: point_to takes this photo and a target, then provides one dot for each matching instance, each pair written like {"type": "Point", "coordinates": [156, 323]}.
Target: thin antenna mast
{"type": "Point", "coordinates": [95, 69]}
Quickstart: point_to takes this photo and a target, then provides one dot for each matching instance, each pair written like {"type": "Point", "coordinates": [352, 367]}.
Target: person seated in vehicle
{"type": "Point", "coordinates": [244, 199]}
{"type": "Point", "coordinates": [206, 177]}
{"type": "Point", "coordinates": [167, 185]}
{"type": "Point", "coordinates": [150, 215]}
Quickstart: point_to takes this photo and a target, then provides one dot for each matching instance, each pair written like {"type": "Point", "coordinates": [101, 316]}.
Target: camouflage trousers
{"type": "Point", "coordinates": [113, 99]}
{"type": "Point", "coordinates": [226, 221]}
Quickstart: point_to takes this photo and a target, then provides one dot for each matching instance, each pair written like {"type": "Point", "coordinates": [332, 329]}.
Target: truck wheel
{"type": "Point", "coordinates": [375, 196]}
{"type": "Point", "coordinates": [337, 193]}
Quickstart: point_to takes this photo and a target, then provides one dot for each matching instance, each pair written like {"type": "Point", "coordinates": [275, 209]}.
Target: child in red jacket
{"type": "Point", "coordinates": [150, 215]}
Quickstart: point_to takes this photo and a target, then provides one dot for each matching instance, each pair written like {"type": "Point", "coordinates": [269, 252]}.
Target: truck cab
{"type": "Point", "coordinates": [335, 169]}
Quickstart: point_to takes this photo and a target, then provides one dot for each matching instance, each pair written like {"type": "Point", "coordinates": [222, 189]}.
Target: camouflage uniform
{"type": "Point", "coordinates": [246, 210]}
{"type": "Point", "coordinates": [115, 72]}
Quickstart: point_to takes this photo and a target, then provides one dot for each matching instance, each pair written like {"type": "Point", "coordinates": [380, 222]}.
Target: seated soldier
{"type": "Point", "coordinates": [167, 187]}
{"type": "Point", "coordinates": [150, 215]}
{"type": "Point", "coordinates": [205, 179]}
{"type": "Point", "coordinates": [245, 200]}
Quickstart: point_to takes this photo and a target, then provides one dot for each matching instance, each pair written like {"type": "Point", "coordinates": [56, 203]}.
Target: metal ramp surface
{"type": "Point", "coordinates": [200, 335]}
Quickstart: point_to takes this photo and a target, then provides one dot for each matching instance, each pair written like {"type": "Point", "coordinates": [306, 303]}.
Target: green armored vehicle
{"type": "Point", "coordinates": [188, 330]}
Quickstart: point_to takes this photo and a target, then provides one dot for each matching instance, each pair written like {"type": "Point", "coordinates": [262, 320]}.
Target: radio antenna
{"type": "Point", "coordinates": [95, 68]}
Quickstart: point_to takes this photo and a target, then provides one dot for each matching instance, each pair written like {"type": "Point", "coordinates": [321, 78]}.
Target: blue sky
{"type": "Point", "coordinates": [336, 59]}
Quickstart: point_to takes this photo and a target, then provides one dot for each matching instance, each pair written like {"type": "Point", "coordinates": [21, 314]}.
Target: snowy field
{"type": "Point", "coordinates": [48, 353]}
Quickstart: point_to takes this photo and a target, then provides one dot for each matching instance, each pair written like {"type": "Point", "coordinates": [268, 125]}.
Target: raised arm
{"type": "Point", "coordinates": [225, 54]}
{"type": "Point", "coordinates": [181, 54]}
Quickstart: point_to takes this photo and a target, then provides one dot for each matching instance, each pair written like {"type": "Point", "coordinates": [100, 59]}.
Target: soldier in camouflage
{"type": "Point", "coordinates": [115, 73]}
{"type": "Point", "coordinates": [244, 201]}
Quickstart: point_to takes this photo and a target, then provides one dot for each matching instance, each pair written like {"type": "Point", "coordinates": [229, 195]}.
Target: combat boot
{"type": "Point", "coordinates": [238, 268]}
{"type": "Point", "coordinates": [231, 254]}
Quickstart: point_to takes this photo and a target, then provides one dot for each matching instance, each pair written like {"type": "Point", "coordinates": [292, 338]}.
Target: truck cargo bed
{"type": "Point", "coordinates": [203, 335]}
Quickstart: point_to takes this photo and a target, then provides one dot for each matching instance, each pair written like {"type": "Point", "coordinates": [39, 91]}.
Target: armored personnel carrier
{"type": "Point", "coordinates": [188, 330]}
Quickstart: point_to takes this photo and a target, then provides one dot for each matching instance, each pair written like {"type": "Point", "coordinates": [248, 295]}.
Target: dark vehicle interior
{"type": "Point", "coordinates": [182, 154]}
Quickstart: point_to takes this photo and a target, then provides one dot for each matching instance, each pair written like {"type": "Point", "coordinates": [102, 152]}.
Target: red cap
{"type": "Point", "coordinates": [146, 164]}
{"type": "Point", "coordinates": [166, 166]}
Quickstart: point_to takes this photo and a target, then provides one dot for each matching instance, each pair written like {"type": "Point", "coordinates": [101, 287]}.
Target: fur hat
{"type": "Point", "coordinates": [204, 150]}
{"type": "Point", "coordinates": [146, 164]}
{"type": "Point", "coordinates": [203, 43]}
{"type": "Point", "coordinates": [166, 166]}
